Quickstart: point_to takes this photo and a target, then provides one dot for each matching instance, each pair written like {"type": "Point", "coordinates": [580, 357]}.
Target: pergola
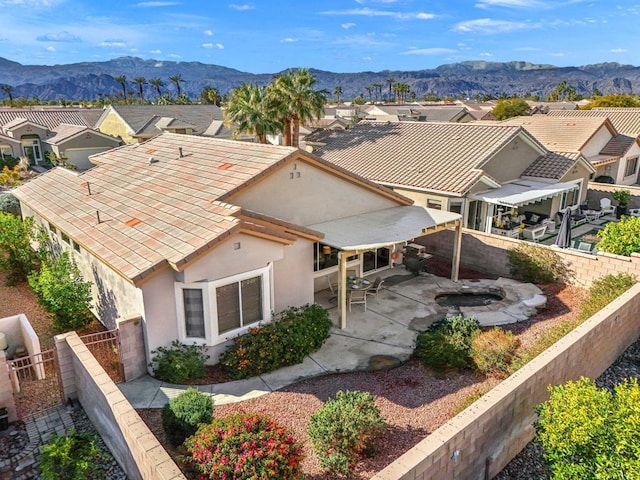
{"type": "Point", "coordinates": [384, 228]}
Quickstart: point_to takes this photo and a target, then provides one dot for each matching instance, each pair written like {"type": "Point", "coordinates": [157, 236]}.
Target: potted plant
{"type": "Point", "coordinates": [622, 197]}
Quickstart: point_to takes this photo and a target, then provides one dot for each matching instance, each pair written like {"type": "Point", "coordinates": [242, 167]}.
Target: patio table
{"type": "Point", "coordinates": [592, 215]}
{"type": "Point", "coordinates": [358, 283]}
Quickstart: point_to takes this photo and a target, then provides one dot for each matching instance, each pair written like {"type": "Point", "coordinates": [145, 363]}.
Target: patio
{"type": "Point", "coordinates": [579, 231]}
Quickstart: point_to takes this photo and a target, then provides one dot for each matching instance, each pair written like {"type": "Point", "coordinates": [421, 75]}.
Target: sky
{"type": "Point", "coordinates": [266, 36]}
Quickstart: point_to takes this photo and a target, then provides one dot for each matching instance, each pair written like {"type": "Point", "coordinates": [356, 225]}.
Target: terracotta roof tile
{"type": "Point", "coordinates": [625, 120]}
{"type": "Point", "coordinates": [46, 118]}
{"type": "Point", "coordinates": [552, 165]}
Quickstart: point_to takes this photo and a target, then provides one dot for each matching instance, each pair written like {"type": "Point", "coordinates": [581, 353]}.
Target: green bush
{"type": "Point", "coordinates": [591, 433]}
{"type": "Point", "coordinates": [493, 351]}
{"type": "Point", "coordinates": [17, 257]}
{"type": "Point", "coordinates": [9, 162]}
{"type": "Point", "coordinates": [183, 414]}
{"type": "Point", "coordinates": [9, 204]}
{"type": "Point", "coordinates": [244, 446]}
{"type": "Point", "coordinates": [620, 238]}
{"type": "Point", "coordinates": [296, 333]}
{"type": "Point", "coordinates": [344, 429]}
{"type": "Point", "coordinates": [547, 339]}
{"type": "Point", "coordinates": [71, 457]}
{"type": "Point", "coordinates": [62, 291]}
{"type": "Point", "coordinates": [536, 264]}
{"type": "Point", "coordinates": [179, 363]}
{"type": "Point", "coordinates": [603, 291]}
{"type": "Point", "coordinates": [447, 343]}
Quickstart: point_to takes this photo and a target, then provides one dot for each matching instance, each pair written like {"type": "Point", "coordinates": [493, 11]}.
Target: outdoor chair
{"type": "Point", "coordinates": [333, 288]}
{"type": "Point", "coordinates": [358, 296]}
{"type": "Point", "coordinates": [634, 212]}
{"type": "Point", "coordinates": [605, 206]}
{"type": "Point", "coordinates": [585, 246]}
{"type": "Point", "coordinates": [375, 288]}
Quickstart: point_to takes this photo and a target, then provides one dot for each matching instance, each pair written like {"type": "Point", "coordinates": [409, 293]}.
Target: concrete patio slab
{"type": "Point", "coordinates": [290, 375]}
{"type": "Point", "coordinates": [239, 390]}
{"type": "Point", "coordinates": [141, 391]}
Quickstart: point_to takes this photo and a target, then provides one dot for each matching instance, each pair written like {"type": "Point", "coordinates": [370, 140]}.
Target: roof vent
{"type": "Point", "coordinates": [132, 222]}
{"type": "Point", "coordinates": [88, 185]}
{"type": "Point", "coordinates": [153, 160]}
{"type": "Point", "coordinates": [225, 166]}
{"type": "Point", "coordinates": [180, 154]}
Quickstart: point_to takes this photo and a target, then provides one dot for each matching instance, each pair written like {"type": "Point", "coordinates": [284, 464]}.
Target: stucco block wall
{"type": "Point", "coordinates": [6, 390]}
{"type": "Point", "coordinates": [489, 433]}
{"type": "Point", "coordinates": [603, 190]}
{"type": "Point", "coordinates": [132, 351]}
{"type": "Point", "coordinates": [130, 441]}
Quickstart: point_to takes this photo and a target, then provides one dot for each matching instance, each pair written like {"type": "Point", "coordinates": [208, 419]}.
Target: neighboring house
{"type": "Point", "coordinates": [418, 113]}
{"type": "Point", "coordinates": [473, 169]}
{"type": "Point", "coordinates": [611, 153]}
{"type": "Point", "coordinates": [479, 111]}
{"type": "Point", "coordinates": [543, 108]}
{"type": "Point", "coordinates": [203, 238]}
{"type": "Point", "coordinates": [138, 123]}
{"type": "Point", "coordinates": [27, 138]}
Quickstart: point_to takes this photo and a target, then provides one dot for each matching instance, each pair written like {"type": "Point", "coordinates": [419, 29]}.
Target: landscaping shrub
{"type": "Point", "coordinates": [296, 333]}
{"type": "Point", "coordinates": [536, 264]}
{"type": "Point", "coordinates": [9, 204]}
{"type": "Point", "coordinates": [71, 457]}
{"type": "Point", "coordinates": [603, 291]}
{"type": "Point", "coordinates": [16, 255]}
{"type": "Point", "coordinates": [591, 433]}
{"type": "Point", "coordinates": [447, 343]}
{"type": "Point", "coordinates": [244, 446]}
{"type": "Point", "coordinates": [9, 162]}
{"type": "Point", "coordinates": [183, 414]}
{"type": "Point", "coordinates": [547, 339]}
{"type": "Point", "coordinates": [621, 238]}
{"type": "Point", "coordinates": [344, 429]}
{"type": "Point", "coordinates": [62, 291]}
{"type": "Point", "coordinates": [179, 363]}
{"type": "Point", "coordinates": [493, 351]}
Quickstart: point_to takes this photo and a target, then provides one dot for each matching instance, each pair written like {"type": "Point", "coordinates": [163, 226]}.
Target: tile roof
{"type": "Point", "coordinates": [560, 134]}
{"type": "Point", "coordinates": [625, 120]}
{"type": "Point", "coordinates": [48, 118]}
{"type": "Point", "coordinates": [444, 157]}
{"type": "Point", "coordinates": [154, 212]}
{"type": "Point", "coordinates": [553, 165]}
{"type": "Point", "coordinates": [63, 132]}
{"type": "Point", "coordinates": [618, 145]}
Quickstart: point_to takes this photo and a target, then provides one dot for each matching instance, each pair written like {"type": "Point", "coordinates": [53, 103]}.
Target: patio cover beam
{"type": "Point", "coordinates": [523, 192]}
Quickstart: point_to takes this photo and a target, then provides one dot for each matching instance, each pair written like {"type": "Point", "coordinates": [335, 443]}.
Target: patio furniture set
{"type": "Point", "coordinates": [358, 289]}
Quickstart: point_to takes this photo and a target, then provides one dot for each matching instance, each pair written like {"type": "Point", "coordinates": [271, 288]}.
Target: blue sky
{"type": "Point", "coordinates": [338, 35]}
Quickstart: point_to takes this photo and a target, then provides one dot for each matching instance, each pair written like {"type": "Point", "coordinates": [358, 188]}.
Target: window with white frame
{"type": "Point", "coordinates": [211, 312]}
{"type": "Point", "coordinates": [632, 167]}
{"type": "Point", "coordinates": [571, 198]}
{"type": "Point", "coordinates": [435, 204]}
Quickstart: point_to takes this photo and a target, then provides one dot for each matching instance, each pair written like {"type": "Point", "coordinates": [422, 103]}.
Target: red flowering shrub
{"type": "Point", "coordinates": [244, 446]}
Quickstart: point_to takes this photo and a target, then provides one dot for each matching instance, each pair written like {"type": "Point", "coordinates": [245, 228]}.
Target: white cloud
{"type": "Point", "coordinates": [241, 7]}
{"type": "Point", "coordinates": [58, 37]}
{"type": "Point", "coordinates": [369, 12]}
{"type": "Point", "coordinates": [367, 58]}
{"type": "Point", "coordinates": [51, 49]}
{"type": "Point", "coordinates": [158, 64]}
{"type": "Point", "coordinates": [425, 16]}
{"type": "Point", "coordinates": [618, 50]}
{"type": "Point", "coordinates": [368, 40]}
{"type": "Point", "coordinates": [288, 40]}
{"type": "Point", "coordinates": [488, 26]}
{"type": "Point", "coordinates": [173, 55]}
{"type": "Point", "coordinates": [208, 33]}
{"type": "Point", "coordinates": [526, 49]}
{"type": "Point", "coordinates": [428, 51]}
{"type": "Point", "coordinates": [156, 4]}
{"type": "Point", "coordinates": [486, 54]}
{"type": "Point", "coordinates": [219, 46]}
{"type": "Point", "coordinates": [511, 4]}
{"type": "Point", "coordinates": [30, 3]}
{"type": "Point", "coordinates": [347, 26]}
{"type": "Point", "coordinates": [113, 43]}
{"type": "Point", "coordinates": [155, 52]}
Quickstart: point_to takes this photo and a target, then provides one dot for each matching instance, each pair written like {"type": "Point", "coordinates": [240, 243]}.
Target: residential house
{"type": "Point", "coordinates": [418, 113]}
{"type": "Point", "coordinates": [478, 170]}
{"type": "Point", "coordinates": [543, 108]}
{"type": "Point", "coordinates": [612, 154]}
{"type": "Point", "coordinates": [138, 123]}
{"type": "Point", "coordinates": [479, 111]}
{"type": "Point", "coordinates": [31, 134]}
{"type": "Point", "coordinates": [204, 238]}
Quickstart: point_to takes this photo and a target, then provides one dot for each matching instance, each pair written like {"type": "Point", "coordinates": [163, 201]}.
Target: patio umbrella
{"type": "Point", "coordinates": [563, 240]}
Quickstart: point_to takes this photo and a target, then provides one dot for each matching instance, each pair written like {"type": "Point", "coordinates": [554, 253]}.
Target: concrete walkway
{"type": "Point", "coordinates": [386, 332]}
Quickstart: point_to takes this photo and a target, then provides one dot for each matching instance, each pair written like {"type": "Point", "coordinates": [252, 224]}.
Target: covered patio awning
{"type": "Point", "coordinates": [523, 192]}
{"type": "Point", "coordinates": [383, 228]}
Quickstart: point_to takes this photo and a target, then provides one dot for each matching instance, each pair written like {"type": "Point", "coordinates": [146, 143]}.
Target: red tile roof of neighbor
{"type": "Point", "coordinates": [156, 207]}
{"type": "Point", "coordinates": [46, 118]}
{"type": "Point", "coordinates": [625, 120]}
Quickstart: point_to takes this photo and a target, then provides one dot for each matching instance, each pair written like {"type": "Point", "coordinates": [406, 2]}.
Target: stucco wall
{"type": "Point", "coordinates": [511, 161]}
{"type": "Point", "coordinates": [114, 126]}
{"type": "Point", "coordinates": [311, 196]}
{"type": "Point", "coordinates": [479, 442]}
{"type": "Point", "coordinates": [597, 142]}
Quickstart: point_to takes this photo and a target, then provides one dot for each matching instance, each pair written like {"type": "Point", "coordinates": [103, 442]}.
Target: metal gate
{"type": "Point", "coordinates": [36, 378]}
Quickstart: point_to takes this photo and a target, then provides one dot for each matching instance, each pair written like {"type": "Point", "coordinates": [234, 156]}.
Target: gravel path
{"type": "Point", "coordinates": [529, 464]}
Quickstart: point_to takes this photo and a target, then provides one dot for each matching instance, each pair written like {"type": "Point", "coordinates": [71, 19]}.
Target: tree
{"type": "Point", "coordinates": [140, 82]}
{"type": "Point", "coordinates": [614, 100]}
{"type": "Point", "coordinates": [210, 95]}
{"type": "Point", "coordinates": [591, 433]}
{"type": "Point", "coordinates": [338, 93]}
{"type": "Point", "coordinates": [62, 290]}
{"type": "Point", "coordinates": [562, 92]}
{"type": "Point", "coordinates": [390, 81]}
{"type": "Point", "coordinates": [293, 96]}
{"type": "Point", "coordinates": [377, 88]}
{"type": "Point", "coordinates": [157, 84]}
{"type": "Point", "coordinates": [369, 88]}
{"type": "Point", "coordinates": [177, 79]}
{"type": "Point", "coordinates": [621, 238]}
{"type": "Point", "coordinates": [510, 107]}
{"type": "Point", "coordinates": [249, 111]}
{"type": "Point", "coordinates": [122, 80]}
{"type": "Point", "coordinates": [8, 89]}
{"type": "Point", "coordinates": [16, 254]}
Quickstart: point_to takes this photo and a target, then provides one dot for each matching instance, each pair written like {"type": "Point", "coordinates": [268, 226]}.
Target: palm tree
{"type": "Point", "coordinates": [249, 111]}
{"type": "Point", "coordinates": [297, 100]}
{"type": "Point", "coordinates": [377, 88]}
{"type": "Point", "coordinates": [122, 80]}
{"type": "Point", "coordinates": [140, 82]}
{"type": "Point", "coordinates": [157, 84]}
{"type": "Point", "coordinates": [210, 95]}
{"type": "Point", "coordinates": [8, 89]}
{"type": "Point", "coordinates": [176, 79]}
{"type": "Point", "coordinates": [369, 88]}
{"type": "Point", "coordinates": [338, 93]}
{"type": "Point", "coordinates": [390, 82]}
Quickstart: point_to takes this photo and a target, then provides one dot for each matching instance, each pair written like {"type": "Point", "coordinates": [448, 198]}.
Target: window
{"type": "Point", "coordinates": [5, 151]}
{"type": "Point", "coordinates": [53, 229]}
{"type": "Point", "coordinates": [436, 204]}
{"type": "Point", "coordinates": [213, 311]}
{"type": "Point", "coordinates": [76, 247]}
{"type": "Point", "coordinates": [375, 260]}
{"type": "Point", "coordinates": [632, 166]}
{"type": "Point", "coordinates": [455, 206]}
{"type": "Point", "coordinates": [325, 256]}
{"type": "Point", "coordinates": [65, 237]}
{"type": "Point", "coordinates": [571, 198]}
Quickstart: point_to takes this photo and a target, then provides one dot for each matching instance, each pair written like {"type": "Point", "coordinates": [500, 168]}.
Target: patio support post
{"type": "Point", "coordinates": [342, 288]}
{"type": "Point", "coordinates": [457, 245]}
